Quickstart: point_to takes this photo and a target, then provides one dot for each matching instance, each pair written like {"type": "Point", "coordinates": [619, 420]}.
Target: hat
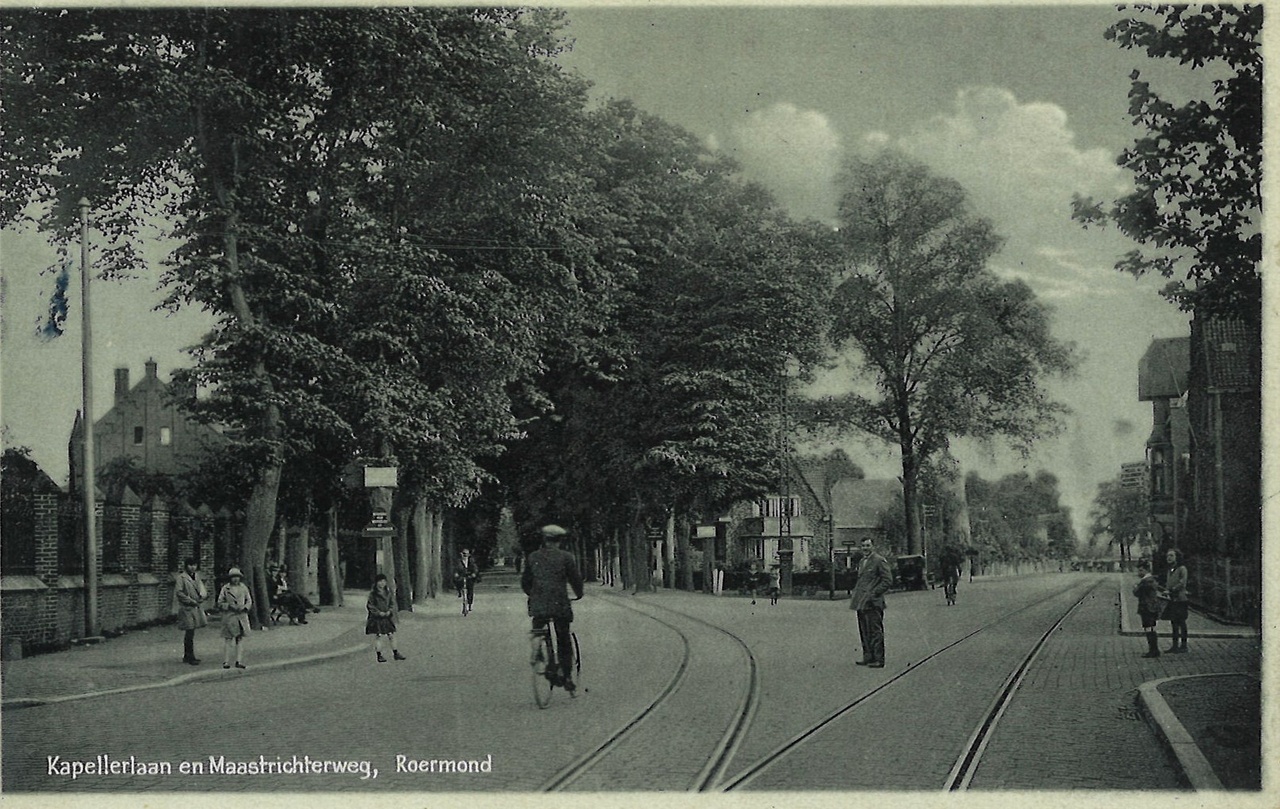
{"type": "Point", "coordinates": [233, 572]}
{"type": "Point", "coordinates": [553, 532]}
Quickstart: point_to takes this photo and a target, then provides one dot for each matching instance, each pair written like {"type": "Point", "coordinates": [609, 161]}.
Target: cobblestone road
{"type": "Point", "coordinates": [465, 695]}
{"type": "Point", "coordinates": [1074, 724]}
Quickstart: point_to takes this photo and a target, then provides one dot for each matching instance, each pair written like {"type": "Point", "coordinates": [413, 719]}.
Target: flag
{"type": "Point", "coordinates": [56, 321]}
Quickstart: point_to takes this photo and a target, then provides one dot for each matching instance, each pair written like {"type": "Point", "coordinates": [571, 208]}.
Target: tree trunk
{"type": "Point", "coordinates": [422, 589]}
{"type": "Point", "coordinates": [910, 473]}
{"type": "Point", "coordinates": [332, 572]}
{"type": "Point", "coordinates": [684, 570]}
{"type": "Point", "coordinates": [622, 541]}
{"type": "Point", "coordinates": [669, 552]}
{"type": "Point", "coordinates": [400, 547]}
{"type": "Point", "coordinates": [437, 545]}
{"type": "Point", "coordinates": [296, 553]}
{"type": "Point", "coordinates": [259, 522]}
{"type": "Point", "coordinates": [642, 563]}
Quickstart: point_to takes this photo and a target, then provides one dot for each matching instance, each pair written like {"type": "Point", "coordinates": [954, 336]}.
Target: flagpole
{"type": "Point", "coordinates": [86, 366]}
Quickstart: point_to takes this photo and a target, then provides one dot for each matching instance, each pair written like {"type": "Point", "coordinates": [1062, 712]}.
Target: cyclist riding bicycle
{"type": "Point", "coordinates": [465, 575]}
{"type": "Point", "coordinates": [547, 573]}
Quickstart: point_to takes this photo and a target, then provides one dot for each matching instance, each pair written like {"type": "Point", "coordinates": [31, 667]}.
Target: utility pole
{"type": "Point", "coordinates": [86, 378]}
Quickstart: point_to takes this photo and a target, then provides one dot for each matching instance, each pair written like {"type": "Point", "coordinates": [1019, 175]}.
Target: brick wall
{"type": "Point", "coordinates": [46, 610]}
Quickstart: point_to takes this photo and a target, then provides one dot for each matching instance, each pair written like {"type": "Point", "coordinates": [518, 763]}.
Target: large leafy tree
{"type": "Point", "coordinates": [275, 141]}
{"type": "Point", "coordinates": [1120, 516]}
{"type": "Point", "coordinates": [719, 292]}
{"type": "Point", "coordinates": [1196, 205]}
{"type": "Point", "coordinates": [943, 347]}
{"type": "Point", "coordinates": [1019, 516]}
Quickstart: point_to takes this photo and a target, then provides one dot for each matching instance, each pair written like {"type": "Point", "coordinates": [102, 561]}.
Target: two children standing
{"type": "Point", "coordinates": [1168, 602]}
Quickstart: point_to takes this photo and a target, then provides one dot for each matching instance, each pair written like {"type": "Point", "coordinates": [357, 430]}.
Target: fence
{"type": "Point", "coordinates": [42, 589]}
{"type": "Point", "coordinates": [1229, 589]}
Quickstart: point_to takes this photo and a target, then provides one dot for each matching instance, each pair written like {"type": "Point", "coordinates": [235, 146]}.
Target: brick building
{"type": "Point", "coordinates": [145, 423]}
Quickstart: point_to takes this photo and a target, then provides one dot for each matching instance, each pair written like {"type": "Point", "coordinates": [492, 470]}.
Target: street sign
{"type": "Point", "coordinates": [378, 530]}
{"type": "Point", "coordinates": [380, 518]}
{"type": "Point", "coordinates": [377, 477]}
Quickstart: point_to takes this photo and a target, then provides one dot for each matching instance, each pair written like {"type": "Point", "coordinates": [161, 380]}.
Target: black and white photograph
{"type": "Point", "coordinates": [797, 404]}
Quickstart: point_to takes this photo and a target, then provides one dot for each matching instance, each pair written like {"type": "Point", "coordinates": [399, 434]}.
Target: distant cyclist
{"type": "Point", "coordinates": [547, 574]}
{"type": "Point", "coordinates": [465, 575]}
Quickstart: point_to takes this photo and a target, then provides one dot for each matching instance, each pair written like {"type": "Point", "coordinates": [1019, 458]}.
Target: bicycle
{"type": "Point", "coordinates": [545, 668]}
{"type": "Point", "coordinates": [467, 593]}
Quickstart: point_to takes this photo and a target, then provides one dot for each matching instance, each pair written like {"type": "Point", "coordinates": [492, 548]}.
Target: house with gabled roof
{"type": "Point", "coordinates": [1162, 380]}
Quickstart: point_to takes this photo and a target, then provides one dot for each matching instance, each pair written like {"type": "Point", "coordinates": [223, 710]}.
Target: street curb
{"type": "Point", "coordinates": [1195, 767]}
{"type": "Point", "coordinates": [32, 702]}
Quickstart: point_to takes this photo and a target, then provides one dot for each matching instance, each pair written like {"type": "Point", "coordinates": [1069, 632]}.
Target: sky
{"type": "Point", "coordinates": [1024, 106]}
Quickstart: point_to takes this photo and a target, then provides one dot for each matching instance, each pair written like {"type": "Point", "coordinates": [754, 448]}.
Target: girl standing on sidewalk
{"type": "Point", "coordinates": [190, 594]}
{"type": "Point", "coordinates": [1147, 591]}
{"type": "Point", "coordinates": [235, 602]}
{"type": "Point", "coordinates": [382, 617]}
{"type": "Point", "coordinates": [1176, 612]}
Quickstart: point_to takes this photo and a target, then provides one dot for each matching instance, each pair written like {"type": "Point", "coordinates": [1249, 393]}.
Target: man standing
{"type": "Point", "coordinates": [190, 593]}
{"type": "Point", "coordinates": [874, 580]}
{"type": "Point", "coordinates": [547, 572]}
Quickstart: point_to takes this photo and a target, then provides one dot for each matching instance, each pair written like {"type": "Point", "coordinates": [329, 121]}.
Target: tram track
{"type": "Point", "coordinates": [721, 753]}
{"type": "Point", "coordinates": [711, 776]}
{"type": "Point", "coordinates": [971, 753]}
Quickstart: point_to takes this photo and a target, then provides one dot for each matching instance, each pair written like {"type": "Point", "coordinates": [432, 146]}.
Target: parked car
{"type": "Point", "coordinates": [911, 573]}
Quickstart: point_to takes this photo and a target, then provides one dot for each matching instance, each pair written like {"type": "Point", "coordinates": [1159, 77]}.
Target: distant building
{"type": "Point", "coordinates": [858, 511]}
{"type": "Point", "coordinates": [1163, 375]}
{"type": "Point", "coordinates": [145, 423]}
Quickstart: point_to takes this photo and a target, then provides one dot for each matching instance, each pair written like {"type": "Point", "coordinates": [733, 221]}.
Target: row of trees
{"type": "Point", "coordinates": [423, 246]}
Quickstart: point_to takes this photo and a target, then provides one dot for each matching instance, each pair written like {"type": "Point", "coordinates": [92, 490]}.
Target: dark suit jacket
{"type": "Point", "coordinates": [547, 572]}
{"type": "Point", "coordinates": [874, 580]}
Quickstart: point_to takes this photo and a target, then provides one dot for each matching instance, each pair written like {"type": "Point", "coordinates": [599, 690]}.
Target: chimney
{"type": "Point", "coordinates": [122, 384]}
{"type": "Point", "coordinates": [151, 369]}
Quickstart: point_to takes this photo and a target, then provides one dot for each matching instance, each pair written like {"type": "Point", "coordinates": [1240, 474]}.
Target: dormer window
{"type": "Point", "coordinates": [138, 434]}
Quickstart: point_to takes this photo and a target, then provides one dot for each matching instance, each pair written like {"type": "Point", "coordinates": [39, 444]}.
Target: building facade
{"type": "Point", "coordinates": [145, 423]}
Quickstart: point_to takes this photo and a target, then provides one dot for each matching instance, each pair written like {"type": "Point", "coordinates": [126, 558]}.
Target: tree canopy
{"type": "Point", "coordinates": [1196, 206]}
{"type": "Point", "coordinates": [948, 349]}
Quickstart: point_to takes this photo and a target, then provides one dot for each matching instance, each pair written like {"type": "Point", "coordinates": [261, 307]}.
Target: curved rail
{"type": "Point", "coordinates": [709, 775]}
{"type": "Point", "coordinates": [575, 769]}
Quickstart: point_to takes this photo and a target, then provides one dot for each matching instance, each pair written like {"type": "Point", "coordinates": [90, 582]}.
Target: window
{"type": "Point", "coordinates": [166, 436]}
{"type": "Point", "coordinates": [138, 434]}
{"type": "Point", "coordinates": [774, 507]}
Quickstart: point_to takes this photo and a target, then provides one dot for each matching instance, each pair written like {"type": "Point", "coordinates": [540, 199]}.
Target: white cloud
{"type": "Point", "coordinates": [1003, 149]}
{"type": "Point", "coordinates": [793, 152]}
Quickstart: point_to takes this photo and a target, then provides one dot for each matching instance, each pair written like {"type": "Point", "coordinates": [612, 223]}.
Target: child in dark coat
{"type": "Point", "coordinates": [382, 617]}
{"type": "Point", "coordinates": [1148, 593]}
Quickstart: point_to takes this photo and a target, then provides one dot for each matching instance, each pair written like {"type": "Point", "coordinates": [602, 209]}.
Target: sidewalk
{"type": "Point", "coordinates": [1210, 722]}
{"type": "Point", "coordinates": [152, 658]}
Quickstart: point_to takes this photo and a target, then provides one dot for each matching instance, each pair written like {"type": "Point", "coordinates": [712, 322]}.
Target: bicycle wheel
{"type": "Point", "coordinates": [577, 665]}
{"type": "Point", "coordinates": [540, 662]}
{"type": "Point", "coordinates": [466, 606]}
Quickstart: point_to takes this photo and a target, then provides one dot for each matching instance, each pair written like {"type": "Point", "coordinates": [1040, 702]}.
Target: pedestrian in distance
{"type": "Point", "coordinates": [755, 581]}
{"type": "Point", "coordinates": [1175, 584]}
{"type": "Point", "coordinates": [234, 601]}
{"type": "Point", "coordinates": [1147, 591]}
{"type": "Point", "coordinates": [547, 573]}
{"type": "Point", "coordinates": [874, 580]}
{"type": "Point", "coordinates": [190, 593]}
{"type": "Point", "coordinates": [950, 582]}
{"type": "Point", "coordinates": [381, 607]}
{"type": "Point", "coordinates": [775, 585]}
